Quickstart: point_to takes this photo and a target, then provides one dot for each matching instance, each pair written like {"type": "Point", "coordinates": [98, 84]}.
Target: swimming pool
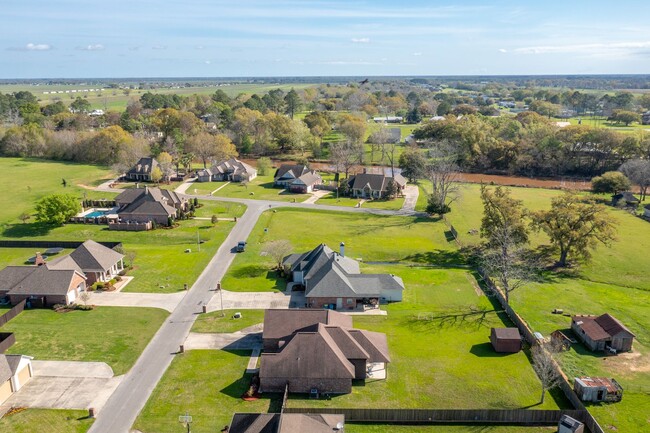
{"type": "Point", "coordinates": [95, 214]}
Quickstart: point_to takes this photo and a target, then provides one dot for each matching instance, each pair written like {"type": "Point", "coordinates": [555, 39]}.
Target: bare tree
{"type": "Point", "coordinates": [344, 155]}
{"type": "Point", "coordinates": [277, 250]}
{"type": "Point", "coordinates": [638, 171]}
{"type": "Point", "coordinates": [84, 297]}
{"type": "Point", "coordinates": [546, 368]}
{"type": "Point", "coordinates": [510, 267]}
{"type": "Point", "coordinates": [442, 170]}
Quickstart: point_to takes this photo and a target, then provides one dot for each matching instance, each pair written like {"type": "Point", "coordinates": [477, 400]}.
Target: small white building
{"type": "Point", "coordinates": [15, 371]}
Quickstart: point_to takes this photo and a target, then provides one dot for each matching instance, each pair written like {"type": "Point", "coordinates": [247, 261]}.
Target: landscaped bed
{"type": "Point", "coordinates": [115, 335]}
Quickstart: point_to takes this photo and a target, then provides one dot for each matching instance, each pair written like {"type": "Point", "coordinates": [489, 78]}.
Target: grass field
{"type": "Point", "coordinates": [368, 237]}
{"type": "Point", "coordinates": [25, 181]}
{"type": "Point", "coordinates": [113, 335]}
{"type": "Point", "coordinates": [52, 421]}
{"type": "Point", "coordinates": [116, 99]}
{"type": "Point", "coordinates": [215, 322]}
{"type": "Point", "coordinates": [260, 188]}
{"type": "Point", "coordinates": [331, 200]}
{"type": "Point", "coordinates": [206, 383]}
{"type": "Point", "coordinates": [615, 281]}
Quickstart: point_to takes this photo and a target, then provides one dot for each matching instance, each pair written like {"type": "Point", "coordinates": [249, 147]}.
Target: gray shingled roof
{"type": "Point", "coordinates": [280, 323]}
{"type": "Point", "coordinates": [376, 182]}
{"type": "Point", "coordinates": [5, 369]}
{"type": "Point", "coordinates": [12, 275]}
{"type": "Point", "coordinates": [65, 262]}
{"type": "Point", "coordinates": [143, 166]}
{"type": "Point", "coordinates": [94, 257]}
{"type": "Point", "coordinates": [287, 171]}
{"type": "Point", "coordinates": [233, 166]}
{"type": "Point", "coordinates": [37, 280]}
{"type": "Point", "coordinates": [284, 423]}
{"type": "Point", "coordinates": [309, 178]}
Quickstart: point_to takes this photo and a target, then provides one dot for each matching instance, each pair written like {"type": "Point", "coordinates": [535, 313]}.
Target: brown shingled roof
{"type": "Point", "coordinates": [282, 323]}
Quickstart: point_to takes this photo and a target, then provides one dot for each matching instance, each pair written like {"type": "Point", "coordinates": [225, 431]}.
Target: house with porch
{"type": "Point", "coordinates": [332, 280]}
{"type": "Point", "coordinates": [317, 357]}
{"type": "Point", "coordinates": [150, 204]}
{"type": "Point", "coordinates": [287, 173]}
{"type": "Point", "coordinates": [141, 171]}
{"type": "Point", "coordinates": [97, 262]}
{"type": "Point", "coordinates": [231, 170]}
{"type": "Point", "coordinates": [306, 183]}
{"type": "Point", "coordinates": [375, 186]}
{"type": "Point", "coordinates": [41, 285]}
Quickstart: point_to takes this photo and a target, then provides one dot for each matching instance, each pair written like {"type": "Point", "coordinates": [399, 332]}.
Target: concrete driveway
{"type": "Point", "coordinates": [411, 193]}
{"type": "Point", "coordinates": [247, 339]}
{"type": "Point", "coordinates": [249, 300]}
{"type": "Point", "coordinates": [166, 301]}
{"type": "Point", "coordinates": [67, 385]}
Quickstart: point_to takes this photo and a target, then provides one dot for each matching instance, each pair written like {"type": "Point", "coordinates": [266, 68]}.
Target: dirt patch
{"type": "Point", "coordinates": [477, 288]}
{"type": "Point", "coordinates": [524, 181]}
{"type": "Point", "coordinates": [634, 362]}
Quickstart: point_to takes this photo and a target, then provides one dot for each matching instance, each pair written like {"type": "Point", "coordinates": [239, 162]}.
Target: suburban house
{"type": "Point", "coordinates": [231, 170]}
{"type": "Point", "coordinates": [602, 333]}
{"type": "Point", "coordinates": [41, 285]}
{"type": "Point", "coordinates": [306, 183]}
{"type": "Point", "coordinates": [150, 204]}
{"type": "Point", "coordinates": [332, 280]}
{"type": "Point", "coordinates": [318, 358]}
{"type": "Point", "coordinates": [15, 371]}
{"type": "Point", "coordinates": [286, 423]}
{"type": "Point", "coordinates": [97, 262]}
{"type": "Point", "coordinates": [505, 340]}
{"type": "Point", "coordinates": [141, 171]}
{"type": "Point", "coordinates": [625, 199]}
{"type": "Point", "coordinates": [597, 389]}
{"type": "Point", "coordinates": [279, 326]}
{"type": "Point", "coordinates": [370, 185]}
{"type": "Point", "coordinates": [287, 173]}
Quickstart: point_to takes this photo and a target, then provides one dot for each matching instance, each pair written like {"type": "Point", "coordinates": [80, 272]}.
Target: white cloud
{"type": "Point", "coordinates": [584, 48]}
{"type": "Point", "coordinates": [360, 40]}
{"type": "Point", "coordinates": [207, 62]}
{"type": "Point", "coordinates": [503, 50]}
{"type": "Point", "coordinates": [417, 54]}
{"type": "Point", "coordinates": [91, 47]}
{"type": "Point", "coordinates": [38, 47]}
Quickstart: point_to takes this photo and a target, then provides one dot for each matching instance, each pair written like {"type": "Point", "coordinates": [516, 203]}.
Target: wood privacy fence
{"type": "Point", "coordinates": [441, 416]}
{"type": "Point", "coordinates": [16, 310]}
{"type": "Point", "coordinates": [7, 339]}
{"type": "Point", "coordinates": [51, 244]}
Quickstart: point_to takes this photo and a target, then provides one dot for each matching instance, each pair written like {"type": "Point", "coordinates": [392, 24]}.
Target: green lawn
{"type": "Point", "coordinates": [19, 256]}
{"type": "Point", "coordinates": [331, 200]}
{"type": "Point", "coordinates": [113, 335]}
{"type": "Point", "coordinates": [260, 188]}
{"type": "Point", "coordinates": [441, 363]}
{"type": "Point", "coordinates": [206, 383]}
{"type": "Point", "coordinates": [46, 420]}
{"type": "Point", "coordinates": [368, 237]}
{"type": "Point", "coordinates": [24, 181]}
{"type": "Point", "coordinates": [392, 428]}
{"type": "Point", "coordinates": [614, 281]}
{"type": "Point", "coordinates": [222, 209]}
{"type": "Point", "coordinates": [215, 322]}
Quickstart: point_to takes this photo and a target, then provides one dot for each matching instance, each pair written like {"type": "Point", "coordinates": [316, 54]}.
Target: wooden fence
{"type": "Point", "coordinates": [7, 339]}
{"type": "Point", "coordinates": [522, 417]}
{"type": "Point", "coordinates": [130, 226]}
{"type": "Point", "coordinates": [16, 310]}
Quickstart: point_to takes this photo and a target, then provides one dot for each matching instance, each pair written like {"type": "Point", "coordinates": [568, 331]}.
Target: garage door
{"type": "Point", "coordinates": [23, 375]}
{"type": "Point", "coordinates": [5, 391]}
{"type": "Point", "coordinates": [72, 295]}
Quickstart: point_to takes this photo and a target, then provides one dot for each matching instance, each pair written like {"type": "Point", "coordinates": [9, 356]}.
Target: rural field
{"type": "Point", "coordinates": [114, 335]}
{"type": "Point", "coordinates": [615, 281]}
{"type": "Point", "coordinates": [117, 99]}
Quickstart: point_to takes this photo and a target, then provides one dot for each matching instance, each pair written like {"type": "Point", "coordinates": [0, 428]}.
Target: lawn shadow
{"type": "Point", "coordinates": [237, 388]}
{"type": "Point", "coordinates": [250, 271]}
{"type": "Point", "coordinates": [438, 257]}
{"type": "Point", "coordinates": [485, 350]}
{"type": "Point", "coordinates": [27, 230]}
{"type": "Point", "coordinates": [280, 282]}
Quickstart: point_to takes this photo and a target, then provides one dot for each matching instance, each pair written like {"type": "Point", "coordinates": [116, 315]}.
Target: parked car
{"type": "Point", "coordinates": [241, 246]}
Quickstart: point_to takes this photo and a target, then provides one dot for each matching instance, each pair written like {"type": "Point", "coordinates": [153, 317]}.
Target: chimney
{"type": "Point", "coordinates": [39, 260]}
{"type": "Point", "coordinates": [342, 249]}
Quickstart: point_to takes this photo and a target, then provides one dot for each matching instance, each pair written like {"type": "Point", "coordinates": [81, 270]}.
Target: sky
{"type": "Point", "coordinates": [262, 38]}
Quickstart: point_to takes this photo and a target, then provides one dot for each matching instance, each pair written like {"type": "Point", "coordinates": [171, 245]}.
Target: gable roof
{"type": "Point", "coordinates": [282, 323]}
{"type": "Point", "coordinates": [284, 423]}
{"type": "Point", "coordinates": [93, 256]}
{"type": "Point", "coordinates": [602, 327]}
{"type": "Point", "coordinates": [506, 333]}
{"type": "Point", "coordinates": [144, 166]}
{"type": "Point", "coordinates": [376, 182]}
{"type": "Point", "coordinates": [65, 262]}
{"type": "Point", "coordinates": [149, 201]}
{"type": "Point", "coordinates": [308, 354]}
{"type": "Point", "coordinates": [287, 171]}
{"type": "Point", "coordinates": [5, 369]}
{"type": "Point", "coordinates": [611, 325]}
{"type": "Point", "coordinates": [374, 343]}
{"type": "Point", "coordinates": [204, 172]}
{"type": "Point", "coordinates": [309, 178]}
{"type": "Point", "coordinates": [233, 166]}
{"type": "Point", "coordinates": [37, 280]}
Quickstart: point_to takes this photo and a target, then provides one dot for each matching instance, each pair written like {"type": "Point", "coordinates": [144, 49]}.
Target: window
{"type": "Point", "coordinates": [349, 301]}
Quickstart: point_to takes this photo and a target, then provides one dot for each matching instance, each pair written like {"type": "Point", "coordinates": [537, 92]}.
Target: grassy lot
{"type": "Point", "coordinates": [260, 188]}
{"type": "Point", "coordinates": [391, 428]}
{"type": "Point", "coordinates": [614, 281]}
{"type": "Point", "coordinates": [441, 363]}
{"type": "Point", "coordinates": [369, 237]}
{"type": "Point", "coordinates": [160, 265]}
{"type": "Point", "coordinates": [331, 200]}
{"type": "Point", "coordinates": [214, 322]}
{"type": "Point", "coordinates": [206, 383]}
{"type": "Point", "coordinates": [52, 421]}
{"type": "Point", "coordinates": [19, 256]}
{"type": "Point", "coordinates": [25, 181]}
{"type": "Point", "coordinates": [221, 209]}
{"type": "Point", "coordinates": [113, 335]}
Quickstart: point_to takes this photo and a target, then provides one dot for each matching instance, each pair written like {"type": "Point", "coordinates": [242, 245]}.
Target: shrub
{"type": "Point", "coordinates": [611, 182]}
{"type": "Point", "coordinates": [118, 278]}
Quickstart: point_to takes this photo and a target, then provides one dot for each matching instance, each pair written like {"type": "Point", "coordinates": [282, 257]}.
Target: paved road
{"type": "Point", "coordinates": [123, 407]}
